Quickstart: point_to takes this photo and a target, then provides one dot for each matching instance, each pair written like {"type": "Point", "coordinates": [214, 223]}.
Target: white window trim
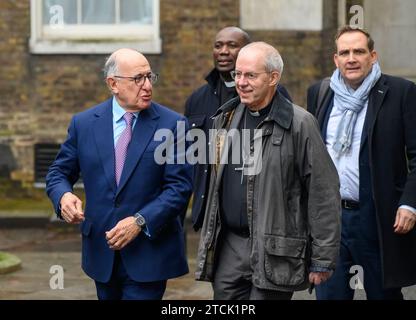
{"type": "Point", "coordinates": [92, 39]}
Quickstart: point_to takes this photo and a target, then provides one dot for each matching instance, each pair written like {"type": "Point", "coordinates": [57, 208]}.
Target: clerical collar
{"type": "Point", "coordinates": [229, 84]}
{"type": "Point", "coordinates": [261, 112]}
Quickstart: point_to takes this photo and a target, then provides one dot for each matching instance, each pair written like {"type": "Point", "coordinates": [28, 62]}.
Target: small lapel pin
{"type": "Point", "coordinates": [380, 91]}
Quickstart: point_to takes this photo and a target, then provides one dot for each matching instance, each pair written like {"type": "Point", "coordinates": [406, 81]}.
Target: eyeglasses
{"type": "Point", "coordinates": [141, 78]}
{"type": "Point", "coordinates": [237, 75]}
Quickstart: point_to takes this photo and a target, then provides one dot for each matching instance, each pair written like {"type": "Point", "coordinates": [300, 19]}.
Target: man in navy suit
{"type": "Point", "coordinates": [367, 119]}
{"type": "Point", "coordinates": [132, 238]}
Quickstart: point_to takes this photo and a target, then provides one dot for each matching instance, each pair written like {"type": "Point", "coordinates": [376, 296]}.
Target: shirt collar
{"type": "Point", "coordinates": [229, 84]}
{"type": "Point", "coordinates": [118, 111]}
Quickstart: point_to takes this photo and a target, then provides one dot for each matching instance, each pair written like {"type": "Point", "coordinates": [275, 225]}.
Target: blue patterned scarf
{"type": "Point", "coordinates": [350, 105]}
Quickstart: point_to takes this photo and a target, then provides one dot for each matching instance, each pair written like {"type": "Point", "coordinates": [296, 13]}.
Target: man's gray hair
{"type": "Point", "coordinates": [110, 66]}
{"type": "Point", "coordinates": [273, 59]}
{"type": "Point", "coordinates": [274, 62]}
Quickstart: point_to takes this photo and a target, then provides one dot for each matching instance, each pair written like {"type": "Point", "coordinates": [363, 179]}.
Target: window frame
{"type": "Point", "coordinates": [92, 38]}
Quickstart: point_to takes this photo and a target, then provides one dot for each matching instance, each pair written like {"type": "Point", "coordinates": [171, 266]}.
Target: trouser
{"type": "Point", "coordinates": [359, 263]}
{"type": "Point", "coordinates": [233, 275]}
{"type": "Point", "coordinates": [122, 287]}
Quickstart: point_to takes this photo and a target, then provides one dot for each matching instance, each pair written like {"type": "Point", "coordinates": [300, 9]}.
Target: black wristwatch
{"type": "Point", "coordinates": [140, 221]}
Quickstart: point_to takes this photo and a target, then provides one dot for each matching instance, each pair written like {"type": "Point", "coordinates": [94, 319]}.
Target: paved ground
{"type": "Point", "coordinates": [41, 248]}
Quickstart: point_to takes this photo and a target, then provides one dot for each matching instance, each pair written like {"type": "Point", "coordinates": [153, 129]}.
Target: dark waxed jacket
{"type": "Point", "coordinates": [293, 204]}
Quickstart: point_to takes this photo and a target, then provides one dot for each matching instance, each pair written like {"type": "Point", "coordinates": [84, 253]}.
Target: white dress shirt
{"type": "Point", "coordinates": [347, 164]}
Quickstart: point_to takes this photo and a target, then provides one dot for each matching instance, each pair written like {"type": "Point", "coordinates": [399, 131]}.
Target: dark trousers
{"type": "Point", "coordinates": [233, 273]}
{"type": "Point", "coordinates": [359, 250]}
{"type": "Point", "coordinates": [122, 287]}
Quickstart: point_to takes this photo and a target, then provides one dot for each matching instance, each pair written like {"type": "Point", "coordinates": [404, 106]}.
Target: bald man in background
{"type": "Point", "coordinates": [132, 238]}
{"type": "Point", "coordinates": [206, 100]}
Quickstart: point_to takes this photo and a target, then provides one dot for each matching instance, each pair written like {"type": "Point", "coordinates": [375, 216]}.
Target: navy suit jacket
{"type": "Point", "coordinates": [159, 192]}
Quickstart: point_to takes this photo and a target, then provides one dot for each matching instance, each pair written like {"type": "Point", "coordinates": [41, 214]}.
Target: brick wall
{"type": "Point", "coordinates": [39, 93]}
{"type": "Point", "coordinates": [15, 100]}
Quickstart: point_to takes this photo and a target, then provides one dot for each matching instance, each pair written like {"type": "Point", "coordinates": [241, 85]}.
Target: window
{"type": "Point", "coordinates": [94, 26]}
{"type": "Point", "coordinates": [45, 154]}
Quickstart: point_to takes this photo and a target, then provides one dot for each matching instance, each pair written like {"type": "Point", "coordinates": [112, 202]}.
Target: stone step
{"type": "Point", "coordinates": [9, 263]}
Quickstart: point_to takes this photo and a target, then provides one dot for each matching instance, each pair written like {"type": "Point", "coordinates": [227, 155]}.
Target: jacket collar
{"type": "Point", "coordinates": [378, 93]}
{"type": "Point", "coordinates": [281, 111]}
{"type": "Point", "coordinates": [213, 78]}
{"type": "Point", "coordinates": [375, 102]}
{"type": "Point", "coordinates": [228, 106]}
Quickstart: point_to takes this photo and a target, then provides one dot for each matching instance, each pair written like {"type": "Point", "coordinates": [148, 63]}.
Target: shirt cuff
{"type": "Point", "coordinates": [59, 213]}
{"type": "Point", "coordinates": [413, 210]}
{"type": "Point", "coordinates": [144, 227]}
{"type": "Point", "coordinates": [319, 269]}
{"type": "Point", "coordinates": [146, 232]}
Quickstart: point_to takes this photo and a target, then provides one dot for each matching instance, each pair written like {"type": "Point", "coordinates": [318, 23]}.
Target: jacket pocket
{"type": "Point", "coordinates": [284, 260]}
{"type": "Point", "coordinates": [196, 121]}
{"type": "Point", "coordinates": [85, 228]}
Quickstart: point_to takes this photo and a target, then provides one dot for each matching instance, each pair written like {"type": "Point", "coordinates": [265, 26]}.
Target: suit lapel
{"type": "Point", "coordinates": [142, 134]}
{"type": "Point", "coordinates": [323, 112]}
{"type": "Point", "coordinates": [104, 138]}
{"type": "Point", "coordinates": [376, 98]}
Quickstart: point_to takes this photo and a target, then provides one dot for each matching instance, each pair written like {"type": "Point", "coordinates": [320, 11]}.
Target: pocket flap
{"type": "Point", "coordinates": [283, 246]}
{"type": "Point", "coordinates": [86, 228]}
{"type": "Point", "coordinates": [196, 121]}
{"type": "Point", "coordinates": [277, 135]}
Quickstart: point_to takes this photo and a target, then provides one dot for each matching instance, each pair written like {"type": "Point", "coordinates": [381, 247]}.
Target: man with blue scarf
{"type": "Point", "coordinates": [367, 120]}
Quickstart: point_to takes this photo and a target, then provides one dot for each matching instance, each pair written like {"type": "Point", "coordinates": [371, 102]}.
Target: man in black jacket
{"type": "Point", "coordinates": [367, 121]}
{"type": "Point", "coordinates": [204, 102]}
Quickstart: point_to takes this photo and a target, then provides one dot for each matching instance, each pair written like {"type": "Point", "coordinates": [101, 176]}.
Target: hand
{"type": "Point", "coordinates": [405, 221]}
{"type": "Point", "coordinates": [71, 208]}
{"type": "Point", "coordinates": [123, 233]}
{"type": "Point", "coordinates": [319, 277]}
